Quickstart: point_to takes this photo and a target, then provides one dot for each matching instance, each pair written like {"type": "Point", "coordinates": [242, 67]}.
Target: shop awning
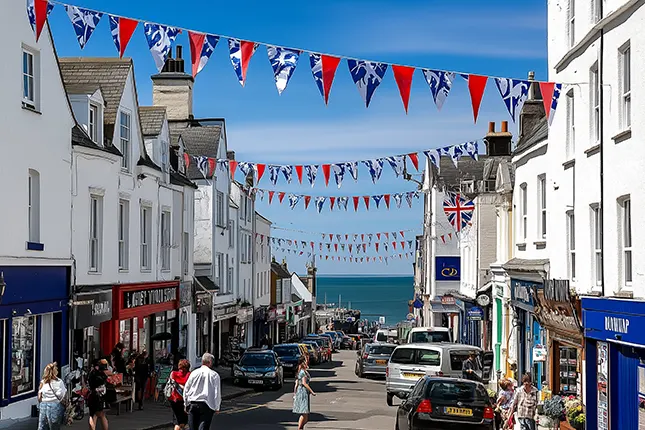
{"type": "Point", "coordinates": [301, 289]}
{"type": "Point", "coordinates": [535, 270]}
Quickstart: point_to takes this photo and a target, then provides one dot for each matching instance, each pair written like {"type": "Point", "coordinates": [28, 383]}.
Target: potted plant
{"type": "Point", "coordinates": [554, 411]}
{"type": "Point", "coordinates": [575, 412]}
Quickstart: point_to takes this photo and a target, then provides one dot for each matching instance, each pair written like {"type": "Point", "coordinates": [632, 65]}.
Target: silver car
{"type": "Point", "coordinates": [373, 358]}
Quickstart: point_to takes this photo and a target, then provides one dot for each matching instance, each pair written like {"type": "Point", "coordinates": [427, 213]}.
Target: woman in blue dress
{"type": "Point", "coordinates": [301, 404]}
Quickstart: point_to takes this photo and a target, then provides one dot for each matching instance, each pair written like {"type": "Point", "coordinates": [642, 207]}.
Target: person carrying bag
{"type": "Point", "coordinates": [52, 399]}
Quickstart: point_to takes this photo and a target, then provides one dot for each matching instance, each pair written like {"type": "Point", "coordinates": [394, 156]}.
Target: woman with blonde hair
{"type": "Point", "coordinates": [51, 396]}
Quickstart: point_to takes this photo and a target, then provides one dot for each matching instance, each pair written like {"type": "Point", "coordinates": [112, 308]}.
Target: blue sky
{"type": "Point", "coordinates": [497, 37]}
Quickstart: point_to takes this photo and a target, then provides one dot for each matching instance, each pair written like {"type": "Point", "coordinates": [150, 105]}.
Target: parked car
{"type": "Point", "coordinates": [446, 403]}
{"type": "Point", "coordinates": [312, 349]}
{"type": "Point", "coordinates": [347, 343]}
{"type": "Point", "coordinates": [373, 358]}
{"type": "Point", "coordinates": [411, 362]}
{"type": "Point", "coordinates": [289, 354]}
{"type": "Point", "coordinates": [304, 351]}
{"type": "Point", "coordinates": [335, 339]}
{"type": "Point", "coordinates": [429, 335]}
{"type": "Point", "coordinates": [259, 368]}
{"type": "Point", "coordinates": [330, 339]}
{"type": "Point", "coordinates": [357, 340]}
{"type": "Point", "coordinates": [324, 344]}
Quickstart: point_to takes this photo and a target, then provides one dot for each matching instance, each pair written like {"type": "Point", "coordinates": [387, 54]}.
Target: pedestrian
{"type": "Point", "coordinates": [504, 403]}
{"type": "Point", "coordinates": [470, 367]}
{"type": "Point", "coordinates": [116, 357]}
{"type": "Point", "coordinates": [179, 377]}
{"type": "Point", "coordinates": [141, 375]}
{"type": "Point", "coordinates": [97, 381]}
{"type": "Point", "coordinates": [51, 396]}
{"type": "Point", "coordinates": [301, 398]}
{"type": "Point", "coordinates": [525, 403]}
{"type": "Point", "coordinates": [202, 394]}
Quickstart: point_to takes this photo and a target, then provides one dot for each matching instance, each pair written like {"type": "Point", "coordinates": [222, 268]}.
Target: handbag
{"type": "Point", "coordinates": [169, 387]}
{"type": "Point", "coordinates": [68, 413]}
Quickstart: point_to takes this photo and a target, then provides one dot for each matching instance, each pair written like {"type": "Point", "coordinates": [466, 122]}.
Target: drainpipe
{"type": "Point", "coordinates": [601, 130]}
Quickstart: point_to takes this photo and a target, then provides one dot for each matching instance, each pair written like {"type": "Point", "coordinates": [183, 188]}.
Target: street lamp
{"type": "Point", "coordinates": [3, 286]}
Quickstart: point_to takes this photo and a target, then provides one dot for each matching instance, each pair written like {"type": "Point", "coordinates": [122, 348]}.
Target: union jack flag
{"type": "Point", "coordinates": [458, 209]}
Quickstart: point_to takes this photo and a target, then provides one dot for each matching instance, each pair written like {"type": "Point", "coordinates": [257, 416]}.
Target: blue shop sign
{"type": "Point", "coordinates": [614, 320]}
{"type": "Point", "coordinates": [475, 313]}
{"type": "Point", "coordinates": [522, 294]}
{"type": "Point", "coordinates": [37, 289]}
{"type": "Point", "coordinates": [448, 268]}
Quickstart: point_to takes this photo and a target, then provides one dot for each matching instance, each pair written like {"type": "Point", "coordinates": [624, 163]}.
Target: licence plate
{"type": "Point", "coordinates": [411, 375]}
{"type": "Point", "coordinates": [462, 412]}
{"type": "Point", "coordinates": [288, 365]}
{"type": "Point", "coordinates": [381, 361]}
{"type": "Point", "coordinates": [255, 382]}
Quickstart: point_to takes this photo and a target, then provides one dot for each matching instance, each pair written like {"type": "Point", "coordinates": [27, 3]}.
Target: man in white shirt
{"type": "Point", "coordinates": [202, 394]}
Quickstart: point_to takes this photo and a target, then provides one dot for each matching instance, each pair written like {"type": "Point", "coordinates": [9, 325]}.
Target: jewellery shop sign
{"type": "Point", "coordinates": [156, 296]}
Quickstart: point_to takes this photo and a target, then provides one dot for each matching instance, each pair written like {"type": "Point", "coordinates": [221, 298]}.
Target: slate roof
{"type": "Point", "coordinates": [80, 138]}
{"type": "Point", "coordinates": [152, 118]}
{"type": "Point", "coordinates": [198, 140]}
{"type": "Point", "coordinates": [179, 179]}
{"type": "Point", "coordinates": [280, 271]}
{"type": "Point", "coordinates": [207, 283]}
{"type": "Point", "coordinates": [539, 133]}
{"type": "Point", "coordinates": [110, 74]}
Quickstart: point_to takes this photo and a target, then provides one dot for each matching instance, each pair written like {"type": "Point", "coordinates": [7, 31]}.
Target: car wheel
{"type": "Point", "coordinates": [389, 398]}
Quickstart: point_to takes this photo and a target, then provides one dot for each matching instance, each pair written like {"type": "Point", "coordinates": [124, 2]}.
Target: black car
{"type": "Point", "coordinates": [259, 368]}
{"type": "Point", "coordinates": [289, 353]}
{"type": "Point", "coordinates": [446, 403]}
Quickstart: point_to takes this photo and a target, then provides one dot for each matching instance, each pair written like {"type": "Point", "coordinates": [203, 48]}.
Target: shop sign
{"type": "Point", "coordinates": [93, 309]}
{"type": "Point", "coordinates": [522, 293]}
{"type": "Point", "coordinates": [155, 296]}
{"type": "Point", "coordinates": [272, 314]}
{"type": "Point", "coordinates": [185, 294]}
{"type": "Point", "coordinates": [448, 300]}
{"type": "Point", "coordinates": [244, 315]}
{"type": "Point", "coordinates": [556, 310]}
{"type": "Point", "coordinates": [475, 314]}
{"type": "Point", "coordinates": [448, 268]}
{"type": "Point", "coordinates": [539, 353]}
{"type": "Point", "coordinates": [281, 313]}
{"type": "Point", "coordinates": [224, 312]}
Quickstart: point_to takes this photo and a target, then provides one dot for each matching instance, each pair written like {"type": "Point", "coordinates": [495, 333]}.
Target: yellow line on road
{"type": "Point", "coordinates": [237, 411]}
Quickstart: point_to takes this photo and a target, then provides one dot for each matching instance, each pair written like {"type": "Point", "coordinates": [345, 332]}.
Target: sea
{"type": "Point", "coordinates": [375, 296]}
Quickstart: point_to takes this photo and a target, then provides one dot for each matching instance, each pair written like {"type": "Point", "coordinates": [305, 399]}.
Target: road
{"type": "Point", "coordinates": [343, 401]}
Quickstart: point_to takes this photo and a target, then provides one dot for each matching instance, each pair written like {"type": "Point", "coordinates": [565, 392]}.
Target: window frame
{"type": "Point", "coordinates": [524, 212]}
{"type": "Point", "coordinates": [221, 216]}
{"type": "Point", "coordinates": [185, 252]}
{"type": "Point", "coordinates": [626, 241]}
{"type": "Point", "coordinates": [571, 245]}
{"type": "Point", "coordinates": [30, 77]}
{"type": "Point", "coordinates": [571, 125]}
{"type": "Point", "coordinates": [542, 202]}
{"type": "Point", "coordinates": [92, 122]}
{"type": "Point", "coordinates": [35, 351]}
{"type": "Point", "coordinates": [219, 270]}
{"type": "Point", "coordinates": [596, 11]}
{"type": "Point", "coordinates": [33, 206]}
{"type": "Point", "coordinates": [126, 142]}
{"type": "Point", "coordinates": [594, 98]}
{"type": "Point", "coordinates": [123, 226]}
{"type": "Point", "coordinates": [571, 23]}
{"type": "Point", "coordinates": [625, 62]}
{"type": "Point", "coordinates": [95, 233]}
{"type": "Point", "coordinates": [231, 233]}
{"type": "Point", "coordinates": [596, 240]}
{"type": "Point", "coordinates": [165, 225]}
{"type": "Point", "coordinates": [145, 238]}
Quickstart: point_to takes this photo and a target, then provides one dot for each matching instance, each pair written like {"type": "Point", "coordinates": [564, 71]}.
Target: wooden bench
{"type": "Point", "coordinates": [125, 396]}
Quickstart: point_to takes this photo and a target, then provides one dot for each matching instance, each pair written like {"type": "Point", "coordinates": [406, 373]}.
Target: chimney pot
{"type": "Point", "coordinates": [491, 127]}
{"type": "Point", "coordinates": [504, 126]}
{"type": "Point", "coordinates": [531, 75]}
{"type": "Point", "coordinates": [179, 52]}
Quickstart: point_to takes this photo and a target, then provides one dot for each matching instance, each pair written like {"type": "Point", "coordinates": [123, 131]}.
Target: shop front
{"type": "Point", "coordinates": [33, 331]}
{"type": "Point", "coordinates": [528, 332]}
{"type": "Point", "coordinates": [281, 319]}
{"type": "Point", "coordinates": [224, 318]}
{"type": "Point", "coordinates": [260, 325]}
{"type": "Point", "coordinates": [144, 318]}
{"type": "Point", "coordinates": [473, 324]}
{"type": "Point", "coordinates": [447, 310]}
{"type": "Point", "coordinates": [558, 313]}
{"type": "Point", "coordinates": [244, 327]}
{"type": "Point", "coordinates": [186, 344]}
{"type": "Point", "coordinates": [614, 331]}
{"type": "Point", "coordinates": [203, 308]}
{"type": "Point", "coordinates": [272, 317]}
{"type": "Point", "coordinates": [89, 311]}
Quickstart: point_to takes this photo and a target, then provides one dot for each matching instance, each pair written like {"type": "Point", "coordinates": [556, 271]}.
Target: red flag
{"type": "Point", "coordinates": [336, 247]}
{"type": "Point", "coordinates": [364, 247]}
{"type": "Point", "coordinates": [350, 247]}
{"type": "Point", "coordinates": [443, 239]}
{"type": "Point", "coordinates": [40, 13]}
{"type": "Point", "coordinates": [326, 168]}
{"type": "Point", "coordinates": [366, 199]}
{"type": "Point", "coordinates": [346, 237]}
{"type": "Point", "coordinates": [247, 49]}
{"type": "Point", "coordinates": [546, 89]}
{"type": "Point", "coordinates": [414, 159]}
{"type": "Point", "coordinates": [376, 245]}
{"type": "Point", "coordinates": [332, 200]}
{"type": "Point", "coordinates": [196, 46]}
{"type": "Point", "coordinates": [211, 166]}
{"type": "Point", "coordinates": [125, 29]}
{"type": "Point", "coordinates": [331, 237]}
{"type": "Point", "coordinates": [387, 200]}
{"type": "Point", "coordinates": [402, 244]}
{"type": "Point", "coordinates": [378, 235]}
{"type": "Point", "coordinates": [186, 160]}
{"type": "Point", "coordinates": [329, 65]}
{"type": "Point", "coordinates": [402, 233]}
{"type": "Point", "coordinates": [307, 200]}
{"type": "Point", "coordinates": [394, 245]}
{"type": "Point", "coordinates": [355, 198]}
{"type": "Point", "coordinates": [326, 257]}
{"type": "Point", "coordinates": [299, 173]}
{"type": "Point", "coordinates": [362, 237]}
{"type": "Point", "coordinates": [387, 235]}
{"type": "Point", "coordinates": [403, 76]}
{"type": "Point", "coordinates": [450, 236]}
{"type": "Point", "coordinates": [232, 166]}
{"type": "Point", "coordinates": [311, 243]}
{"type": "Point", "coordinates": [476, 86]}
{"type": "Point", "coordinates": [260, 168]}
{"type": "Point", "coordinates": [281, 196]}
{"type": "Point", "coordinates": [271, 197]}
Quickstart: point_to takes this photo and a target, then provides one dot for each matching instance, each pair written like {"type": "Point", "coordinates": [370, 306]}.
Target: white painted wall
{"type": "Point", "coordinates": [623, 157]}
{"type": "Point", "coordinates": [262, 293]}
{"type": "Point", "coordinates": [244, 222]}
{"type": "Point", "coordinates": [33, 140]}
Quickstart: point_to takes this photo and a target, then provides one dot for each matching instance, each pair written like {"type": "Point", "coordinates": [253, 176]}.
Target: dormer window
{"type": "Point", "coordinates": [93, 128]}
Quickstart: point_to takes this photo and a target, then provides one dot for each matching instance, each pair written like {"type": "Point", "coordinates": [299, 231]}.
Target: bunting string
{"type": "Point", "coordinates": [326, 234]}
{"type": "Point", "coordinates": [366, 74]}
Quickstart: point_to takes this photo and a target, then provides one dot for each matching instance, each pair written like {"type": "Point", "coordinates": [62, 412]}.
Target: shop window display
{"type": "Point", "coordinates": [124, 333]}
{"type": "Point", "coordinates": [22, 355]}
{"type": "Point", "coordinates": [569, 371]}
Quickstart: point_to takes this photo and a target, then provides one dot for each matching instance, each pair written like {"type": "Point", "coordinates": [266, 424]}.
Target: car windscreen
{"type": "Point", "coordinates": [424, 357]}
{"type": "Point", "coordinates": [466, 392]}
{"type": "Point", "coordinates": [286, 351]}
{"type": "Point", "coordinates": [381, 337]}
{"type": "Point", "coordinates": [381, 349]}
{"type": "Point", "coordinates": [257, 360]}
{"type": "Point", "coordinates": [429, 337]}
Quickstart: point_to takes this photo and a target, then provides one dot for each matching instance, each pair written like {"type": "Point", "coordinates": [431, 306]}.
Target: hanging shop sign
{"type": "Point", "coordinates": [155, 296]}
{"type": "Point", "coordinates": [522, 293]}
{"type": "Point", "coordinates": [539, 353]}
{"type": "Point", "coordinates": [244, 315]}
{"type": "Point", "coordinates": [448, 300]}
{"type": "Point", "coordinates": [185, 294]}
{"type": "Point", "coordinates": [281, 313]}
{"type": "Point", "coordinates": [272, 314]}
{"type": "Point", "coordinates": [556, 310]}
{"type": "Point", "coordinates": [224, 312]}
{"type": "Point", "coordinates": [475, 313]}
{"type": "Point", "coordinates": [483, 300]}
{"type": "Point", "coordinates": [93, 309]}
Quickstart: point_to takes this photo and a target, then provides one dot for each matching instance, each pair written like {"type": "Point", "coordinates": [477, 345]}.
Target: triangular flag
{"type": "Point", "coordinates": [299, 173]}
{"type": "Point", "coordinates": [332, 200]}
{"type": "Point", "coordinates": [440, 83]}
{"type": "Point", "coordinates": [546, 89]}
{"type": "Point", "coordinates": [280, 196]}
{"type": "Point", "coordinates": [355, 198]}
{"type": "Point", "coordinates": [366, 199]}
{"type": "Point", "coordinates": [37, 11]}
{"type": "Point", "coordinates": [414, 159]}
{"type": "Point", "coordinates": [186, 160]}
{"type": "Point", "coordinates": [387, 200]}
{"type": "Point", "coordinates": [271, 193]}
{"type": "Point", "coordinates": [443, 239]}
{"type": "Point", "coordinates": [378, 236]}
{"type": "Point", "coordinates": [307, 201]}
{"type": "Point", "coordinates": [514, 93]}
{"type": "Point", "coordinates": [232, 166]}
{"type": "Point", "coordinates": [259, 170]}
{"type": "Point", "coordinates": [201, 49]}
{"type": "Point", "coordinates": [323, 69]}
{"type": "Point", "coordinates": [160, 39]}
{"type": "Point", "coordinates": [403, 76]}
{"type": "Point", "coordinates": [122, 30]}
{"type": "Point", "coordinates": [401, 233]}
{"type": "Point", "coordinates": [376, 246]}
{"type": "Point", "coordinates": [367, 76]}
{"type": "Point", "coordinates": [84, 22]}
{"type": "Point", "coordinates": [283, 61]}
{"type": "Point", "coordinates": [476, 87]}
{"type": "Point", "coordinates": [326, 168]}
{"type": "Point", "coordinates": [394, 245]}
{"type": "Point", "coordinates": [240, 52]}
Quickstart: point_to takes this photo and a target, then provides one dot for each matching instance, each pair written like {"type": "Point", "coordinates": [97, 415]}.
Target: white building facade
{"type": "Point", "coordinates": [262, 278]}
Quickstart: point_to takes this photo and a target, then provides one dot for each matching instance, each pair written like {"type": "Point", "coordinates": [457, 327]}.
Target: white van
{"type": "Point", "coordinates": [429, 335]}
{"type": "Point", "coordinates": [408, 363]}
{"type": "Point", "coordinates": [381, 335]}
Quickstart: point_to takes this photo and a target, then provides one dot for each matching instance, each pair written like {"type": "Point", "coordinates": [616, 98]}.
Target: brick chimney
{"type": "Point", "coordinates": [498, 143]}
{"type": "Point", "coordinates": [173, 88]}
{"type": "Point", "coordinates": [533, 109]}
{"type": "Point", "coordinates": [284, 264]}
{"type": "Point", "coordinates": [230, 155]}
